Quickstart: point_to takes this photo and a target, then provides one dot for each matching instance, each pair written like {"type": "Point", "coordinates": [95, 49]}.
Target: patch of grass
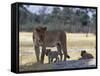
{"type": "Point", "coordinates": [74, 41]}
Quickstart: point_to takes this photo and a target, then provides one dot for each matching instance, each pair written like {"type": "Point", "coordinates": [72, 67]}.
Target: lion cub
{"type": "Point", "coordinates": [85, 55]}
{"type": "Point", "coordinates": [52, 55]}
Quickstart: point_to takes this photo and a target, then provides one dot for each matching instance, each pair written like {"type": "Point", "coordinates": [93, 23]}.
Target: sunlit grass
{"type": "Point", "coordinates": [74, 41]}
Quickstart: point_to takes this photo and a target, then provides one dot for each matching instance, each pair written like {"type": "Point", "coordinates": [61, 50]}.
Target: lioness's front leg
{"type": "Point", "coordinates": [37, 52]}
{"type": "Point", "coordinates": [43, 54]}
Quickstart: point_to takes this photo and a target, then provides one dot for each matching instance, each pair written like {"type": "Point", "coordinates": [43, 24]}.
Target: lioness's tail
{"type": "Point", "coordinates": [68, 56]}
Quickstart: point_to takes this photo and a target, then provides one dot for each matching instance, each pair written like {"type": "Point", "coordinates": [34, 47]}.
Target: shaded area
{"type": "Point", "coordinates": [70, 64]}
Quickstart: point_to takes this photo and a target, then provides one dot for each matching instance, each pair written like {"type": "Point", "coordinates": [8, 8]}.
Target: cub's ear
{"type": "Point", "coordinates": [45, 28]}
{"type": "Point", "coordinates": [83, 52]}
{"type": "Point", "coordinates": [49, 50]}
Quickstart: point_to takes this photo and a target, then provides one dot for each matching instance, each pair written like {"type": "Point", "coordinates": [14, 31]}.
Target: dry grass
{"type": "Point", "coordinates": [80, 40]}
{"type": "Point", "coordinates": [72, 39]}
{"type": "Point", "coordinates": [75, 41]}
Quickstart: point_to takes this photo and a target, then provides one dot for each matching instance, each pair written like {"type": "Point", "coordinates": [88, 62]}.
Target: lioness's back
{"type": "Point", "coordinates": [54, 37]}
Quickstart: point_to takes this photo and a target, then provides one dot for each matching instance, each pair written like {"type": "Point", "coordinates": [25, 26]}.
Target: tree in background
{"type": "Point", "coordinates": [58, 18]}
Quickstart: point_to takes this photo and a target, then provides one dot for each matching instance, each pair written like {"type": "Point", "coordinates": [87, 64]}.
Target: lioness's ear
{"type": "Point", "coordinates": [37, 29]}
{"type": "Point", "coordinates": [45, 28]}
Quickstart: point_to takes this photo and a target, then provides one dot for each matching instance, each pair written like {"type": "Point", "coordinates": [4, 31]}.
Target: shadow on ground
{"type": "Point", "coordinates": [70, 64]}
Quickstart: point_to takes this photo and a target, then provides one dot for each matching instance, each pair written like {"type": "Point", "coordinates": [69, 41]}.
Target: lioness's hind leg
{"type": "Point", "coordinates": [59, 50]}
{"type": "Point", "coordinates": [65, 53]}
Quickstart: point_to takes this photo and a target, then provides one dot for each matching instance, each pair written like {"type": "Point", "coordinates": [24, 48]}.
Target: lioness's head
{"type": "Point", "coordinates": [41, 34]}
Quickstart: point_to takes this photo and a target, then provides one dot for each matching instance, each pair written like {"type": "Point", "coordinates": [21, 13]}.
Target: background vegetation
{"type": "Point", "coordinates": [70, 19]}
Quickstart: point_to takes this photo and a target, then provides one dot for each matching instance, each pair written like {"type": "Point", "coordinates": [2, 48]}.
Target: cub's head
{"type": "Point", "coordinates": [47, 51]}
{"type": "Point", "coordinates": [83, 52]}
{"type": "Point", "coordinates": [40, 31]}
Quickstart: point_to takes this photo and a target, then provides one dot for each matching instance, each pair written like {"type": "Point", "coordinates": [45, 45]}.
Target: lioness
{"type": "Point", "coordinates": [44, 38]}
